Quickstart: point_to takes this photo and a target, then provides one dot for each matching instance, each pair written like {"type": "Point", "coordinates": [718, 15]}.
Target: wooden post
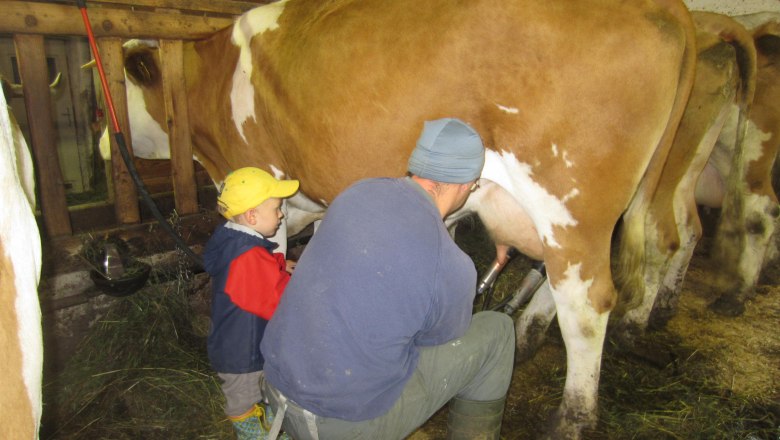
{"type": "Point", "coordinates": [125, 194]}
{"type": "Point", "coordinates": [174, 93]}
{"type": "Point", "coordinates": [43, 137]}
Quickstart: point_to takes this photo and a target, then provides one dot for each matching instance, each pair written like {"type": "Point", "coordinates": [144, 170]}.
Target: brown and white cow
{"type": "Point", "coordinates": [21, 346]}
{"type": "Point", "coordinates": [723, 91]}
{"type": "Point", "coordinates": [709, 133]}
{"type": "Point", "coordinates": [577, 103]}
{"type": "Point", "coordinates": [740, 181]}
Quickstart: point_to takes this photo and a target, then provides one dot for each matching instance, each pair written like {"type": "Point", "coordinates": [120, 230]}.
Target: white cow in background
{"type": "Point", "coordinates": [21, 345]}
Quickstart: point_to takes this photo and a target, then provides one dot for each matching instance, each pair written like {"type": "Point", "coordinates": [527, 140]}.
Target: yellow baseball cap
{"type": "Point", "coordinates": [245, 188]}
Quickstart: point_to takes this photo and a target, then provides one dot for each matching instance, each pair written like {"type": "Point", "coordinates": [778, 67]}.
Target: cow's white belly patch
{"type": "Point", "coordinates": [545, 209]}
{"type": "Point", "coordinates": [149, 140]}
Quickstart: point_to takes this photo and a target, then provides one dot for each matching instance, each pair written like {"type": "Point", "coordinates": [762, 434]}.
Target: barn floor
{"type": "Point", "coordinates": [142, 372]}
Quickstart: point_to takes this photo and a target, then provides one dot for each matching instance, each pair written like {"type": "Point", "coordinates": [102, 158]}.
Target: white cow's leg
{"type": "Point", "coordinates": [533, 323]}
{"type": "Point", "coordinates": [583, 329]}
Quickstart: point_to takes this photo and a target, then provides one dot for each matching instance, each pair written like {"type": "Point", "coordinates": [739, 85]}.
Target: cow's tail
{"type": "Point", "coordinates": [730, 237]}
{"type": "Point", "coordinates": [631, 258]}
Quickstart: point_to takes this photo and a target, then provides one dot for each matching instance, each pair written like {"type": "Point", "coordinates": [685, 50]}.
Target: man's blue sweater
{"type": "Point", "coordinates": [380, 278]}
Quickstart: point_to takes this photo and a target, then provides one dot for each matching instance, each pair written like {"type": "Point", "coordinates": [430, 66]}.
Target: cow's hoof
{"type": "Point", "coordinates": [525, 351]}
{"type": "Point", "coordinates": [659, 317]}
{"type": "Point", "coordinates": [568, 425]}
{"type": "Point", "coordinates": [728, 306]}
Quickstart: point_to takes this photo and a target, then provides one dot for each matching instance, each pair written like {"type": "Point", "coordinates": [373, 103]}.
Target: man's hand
{"type": "Point", "coordinates": [291, 266]}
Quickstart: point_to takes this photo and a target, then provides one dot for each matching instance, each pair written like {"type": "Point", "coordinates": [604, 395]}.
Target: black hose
{"type": "Point", "coordinates": [120, 141]}
{"type": "Point", "coordinates": [488, 297]}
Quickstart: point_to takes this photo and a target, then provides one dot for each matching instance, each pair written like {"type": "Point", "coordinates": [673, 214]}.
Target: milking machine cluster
{"type": "Point", "coordinates": [531, 282]}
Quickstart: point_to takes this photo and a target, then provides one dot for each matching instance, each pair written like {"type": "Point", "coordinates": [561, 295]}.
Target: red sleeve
{"type": "Point", "coordinates": [256, 281]}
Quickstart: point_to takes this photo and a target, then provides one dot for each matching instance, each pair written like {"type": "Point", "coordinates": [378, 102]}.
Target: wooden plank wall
{"type": "Point", "coordinates": [113, 21]}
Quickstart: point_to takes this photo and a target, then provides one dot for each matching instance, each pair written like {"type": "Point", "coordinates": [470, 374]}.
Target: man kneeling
{"type": "Point", "coordinates": [375, 331]}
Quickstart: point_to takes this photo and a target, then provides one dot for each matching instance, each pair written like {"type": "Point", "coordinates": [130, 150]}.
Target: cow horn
{"type": "Point", "coordinates": [90, 64]}
{"type": "Point", "coordinates": [56, 81]}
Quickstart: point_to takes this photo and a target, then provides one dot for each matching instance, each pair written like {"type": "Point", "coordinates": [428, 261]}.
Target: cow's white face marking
{"type": "Point", "coordinates": [149, 139]}
{"type": "Point", "coordinates": [516, 177]}
{"type": "Point", "coordinates": [242, 94]}
{"type": "Point", "coordinates": [510, 110]}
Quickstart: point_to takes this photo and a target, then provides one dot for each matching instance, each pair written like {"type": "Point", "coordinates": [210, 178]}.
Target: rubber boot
{"type": "Point", "coordinates": [474, 419]}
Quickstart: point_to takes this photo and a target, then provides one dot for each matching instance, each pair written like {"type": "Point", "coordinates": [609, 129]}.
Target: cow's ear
{"type": "Point", "coordinates": [141, 66]}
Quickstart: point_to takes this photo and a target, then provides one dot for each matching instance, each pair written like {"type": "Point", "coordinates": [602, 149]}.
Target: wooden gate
{"type": "Point", "coordinates": [113, 21]}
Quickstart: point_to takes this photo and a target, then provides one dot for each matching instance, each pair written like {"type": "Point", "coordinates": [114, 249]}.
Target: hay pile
{"type": "Point", "coordinates": [141, 373]}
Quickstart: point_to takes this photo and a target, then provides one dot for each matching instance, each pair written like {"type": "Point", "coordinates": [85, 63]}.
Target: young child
{"type": "Point", "coordinates": [247, 280]}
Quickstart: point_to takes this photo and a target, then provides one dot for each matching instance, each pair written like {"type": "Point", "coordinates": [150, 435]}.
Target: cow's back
{"type": "Point", "coordinates": [577, 103]}
{"type": "Point", "coordinates": [341, 88]}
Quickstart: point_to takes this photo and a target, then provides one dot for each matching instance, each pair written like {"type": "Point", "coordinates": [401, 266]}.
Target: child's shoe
{"type": "Point", "coordinates": [255, 424]}
{"type": "Point", "coordinates": [249, 426]}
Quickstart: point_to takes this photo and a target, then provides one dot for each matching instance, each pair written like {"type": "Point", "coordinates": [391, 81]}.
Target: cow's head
{"type": "Point", "coordinates": [145, 104]}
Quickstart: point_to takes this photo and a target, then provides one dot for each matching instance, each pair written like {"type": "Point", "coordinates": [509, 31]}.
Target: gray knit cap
{"type": "Point", "coordinates": [448, 151]}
